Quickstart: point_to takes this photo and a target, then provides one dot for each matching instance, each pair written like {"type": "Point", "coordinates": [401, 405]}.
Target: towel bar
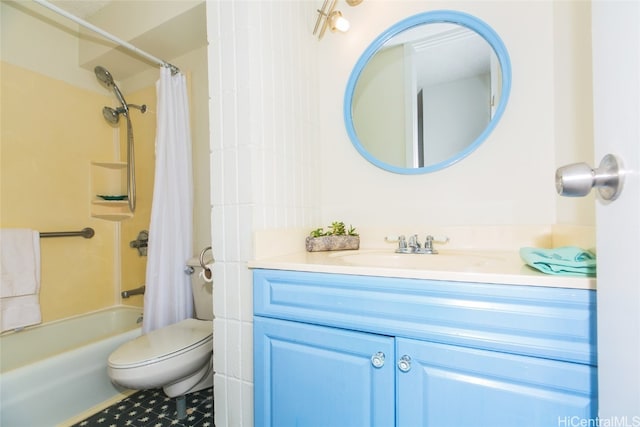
{"type": "Point", "coordinates": [87, 233]}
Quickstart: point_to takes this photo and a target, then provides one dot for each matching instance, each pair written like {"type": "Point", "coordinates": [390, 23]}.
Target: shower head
{"type": "Point", "coordinates": [104, 76]}
{"type": "Point", "coordinates": [111, 115]}
{"type": "Point", "coordinates": [107, 79]}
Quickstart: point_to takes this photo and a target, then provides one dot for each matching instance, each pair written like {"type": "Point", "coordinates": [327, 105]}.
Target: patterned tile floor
{"type": "Point", "coordinates": [152, 408]}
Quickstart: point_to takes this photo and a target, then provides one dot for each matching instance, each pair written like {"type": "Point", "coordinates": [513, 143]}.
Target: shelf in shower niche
{"type": "Point", "coordinates": [114, 197]}
{"type": "Point", "coordinates": [108, 191]}
{"type": "Point", "coordinates": [108, 202]}
{"type": "Point", "coordinates": [113, 217]}
{"type": "Point", "coordinates": [110, 165]}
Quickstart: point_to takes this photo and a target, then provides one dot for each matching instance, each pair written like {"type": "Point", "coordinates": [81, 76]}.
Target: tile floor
{"type": "Point", "coordinates": [152, 408]}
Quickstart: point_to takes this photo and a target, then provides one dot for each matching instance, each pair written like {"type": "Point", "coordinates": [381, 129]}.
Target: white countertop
{"type": "Point", "coordinates": [500, 267]}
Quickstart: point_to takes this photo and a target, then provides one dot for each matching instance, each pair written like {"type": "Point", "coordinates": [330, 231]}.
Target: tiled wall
{"type": "Point", "coordinates": [264, 138]}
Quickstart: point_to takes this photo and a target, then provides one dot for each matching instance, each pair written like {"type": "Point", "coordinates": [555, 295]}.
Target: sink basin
{"type": "Point", "coordinates": [445, 260]}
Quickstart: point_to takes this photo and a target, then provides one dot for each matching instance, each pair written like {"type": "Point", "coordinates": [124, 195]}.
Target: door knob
{"type": "Point", "coordinates": [578, 179]}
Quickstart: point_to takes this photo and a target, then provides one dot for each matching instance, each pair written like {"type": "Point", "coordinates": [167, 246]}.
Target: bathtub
{"type": "Point", "coordinates": [52, 372]}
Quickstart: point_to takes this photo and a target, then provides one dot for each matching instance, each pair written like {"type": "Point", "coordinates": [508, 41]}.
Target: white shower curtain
{"type": "Point", "coordinates": [168, 296]}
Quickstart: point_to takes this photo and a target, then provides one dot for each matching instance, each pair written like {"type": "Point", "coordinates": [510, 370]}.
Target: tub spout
{"type": "Point", "coordinates": [136, 291]}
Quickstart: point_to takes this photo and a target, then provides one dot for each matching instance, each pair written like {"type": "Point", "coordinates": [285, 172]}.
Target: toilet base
{"type": "Point", "coordinates": [200, 380]}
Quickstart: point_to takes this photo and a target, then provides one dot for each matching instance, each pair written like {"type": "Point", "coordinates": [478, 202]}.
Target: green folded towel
{"type": "Point", "coordinates": [567, 260]}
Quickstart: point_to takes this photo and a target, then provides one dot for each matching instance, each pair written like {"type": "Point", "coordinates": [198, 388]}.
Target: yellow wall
{"type": "Point", "coordinates": [50, 132]}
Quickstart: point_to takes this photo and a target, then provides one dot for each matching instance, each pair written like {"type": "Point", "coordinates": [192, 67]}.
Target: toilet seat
{"type": "Point", "coordinates": [163, 343]}
{"type": "Point", "coordinates": [164, 355]}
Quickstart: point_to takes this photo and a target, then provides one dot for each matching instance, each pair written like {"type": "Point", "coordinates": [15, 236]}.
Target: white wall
{"type": "Point", "coordinates": [508, 180]}
{"type": "Point", "coordinates": [281, 157]}
{"type": "Point", "coordinates": [574, 102]}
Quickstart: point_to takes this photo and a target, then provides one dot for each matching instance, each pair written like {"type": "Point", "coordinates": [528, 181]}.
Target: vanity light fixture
{"type": "Point", "coordinates": [329, 17]}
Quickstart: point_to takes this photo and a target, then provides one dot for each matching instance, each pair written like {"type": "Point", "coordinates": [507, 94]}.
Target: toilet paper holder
{"type": "Point", "coordinates": [206, 271]}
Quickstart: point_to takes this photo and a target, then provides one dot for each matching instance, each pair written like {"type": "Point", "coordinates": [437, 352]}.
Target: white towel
{"type": "Point", "coordinates": [20, 278]}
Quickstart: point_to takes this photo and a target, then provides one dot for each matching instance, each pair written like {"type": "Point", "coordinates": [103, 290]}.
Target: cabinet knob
{"type": "Point", "coordinates": [377, 360]}
{"type": "Point", "coordinates": [404, 364]}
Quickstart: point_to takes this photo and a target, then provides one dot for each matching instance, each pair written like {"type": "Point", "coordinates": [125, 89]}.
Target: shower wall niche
{"type": "Point", "coordinates": [109, 190]}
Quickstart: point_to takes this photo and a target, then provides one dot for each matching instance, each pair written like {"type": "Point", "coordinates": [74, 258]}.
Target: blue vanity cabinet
{"type": "Point", "coordinates": [311, 375]}
{"type": "Point", "coordinates": [347, 350]}
{"type": "Point", "coordinates": [448, 385]}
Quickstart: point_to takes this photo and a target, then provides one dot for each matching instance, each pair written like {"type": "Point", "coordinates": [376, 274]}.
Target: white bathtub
{"type": "Point", "coordinates": [50, 373]}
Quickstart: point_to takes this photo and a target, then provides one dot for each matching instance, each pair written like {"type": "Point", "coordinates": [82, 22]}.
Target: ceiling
{"type": "Point", "coordinates": [81, 8]}
{"type": "Point", "coordinates": [166, 41]}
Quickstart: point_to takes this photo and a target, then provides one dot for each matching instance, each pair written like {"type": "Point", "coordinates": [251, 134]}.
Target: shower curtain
{"type": "Point", "coordinates": [168, 296]}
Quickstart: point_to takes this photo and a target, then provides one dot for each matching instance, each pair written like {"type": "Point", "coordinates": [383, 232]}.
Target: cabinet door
{"type": "Point", "coordinates": [307, 375]}
{"type": "Point", "coordinates": [457, 386]}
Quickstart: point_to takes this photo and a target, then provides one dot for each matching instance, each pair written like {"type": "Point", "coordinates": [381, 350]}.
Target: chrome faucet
{"type": "Point", "coordinates": [404, 247]}
{"type": "Point", "coordinates": [412, 246]}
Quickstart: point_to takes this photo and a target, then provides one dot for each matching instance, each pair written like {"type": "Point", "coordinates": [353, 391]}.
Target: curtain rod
{"type": "Point", "coordinates": [103, 33]}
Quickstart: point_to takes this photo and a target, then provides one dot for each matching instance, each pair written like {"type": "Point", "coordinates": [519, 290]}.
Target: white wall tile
{"type": "Point", "coordinates": [219, 345]}
{"type": "Point", "coordinates": [247, 400]}
{"type": "Point", "coordinates": [221, 408]}
{"type": "Point", "coordinates": [233, 349]}
{"type": "Point", "coordinates": [219, 292]}
{"type": "Point", "coordinates": [247, 348]}
{"type": "Point", "coordinates": [235, 403]}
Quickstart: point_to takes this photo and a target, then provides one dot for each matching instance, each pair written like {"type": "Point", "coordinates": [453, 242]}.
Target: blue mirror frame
{"type": "Point", "coordinates": [440, 16]}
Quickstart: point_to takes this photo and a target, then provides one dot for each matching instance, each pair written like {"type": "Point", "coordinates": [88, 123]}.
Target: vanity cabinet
{"type": "Point", "coordinates": [312, 375]}
{"type": "Point", "coordinates": [346, 350]}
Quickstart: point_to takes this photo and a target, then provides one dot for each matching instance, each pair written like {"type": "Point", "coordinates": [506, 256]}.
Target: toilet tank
{"type": "Point", "coordinates": [202, 291]}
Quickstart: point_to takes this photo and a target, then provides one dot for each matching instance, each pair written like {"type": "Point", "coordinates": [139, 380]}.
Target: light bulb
{"type": "Point", "coordinates": [338, 22]}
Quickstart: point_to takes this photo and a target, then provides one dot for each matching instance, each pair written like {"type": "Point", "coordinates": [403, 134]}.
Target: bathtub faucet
{"type": "Point", "coordinates": [136, 291]}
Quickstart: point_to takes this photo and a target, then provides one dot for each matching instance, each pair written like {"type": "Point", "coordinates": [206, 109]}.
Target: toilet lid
{"type": "Point", "coordinates": [163, 343]}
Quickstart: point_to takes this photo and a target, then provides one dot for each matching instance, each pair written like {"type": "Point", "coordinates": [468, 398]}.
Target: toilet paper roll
{"type": "Point", "coordinates": [206, 274]}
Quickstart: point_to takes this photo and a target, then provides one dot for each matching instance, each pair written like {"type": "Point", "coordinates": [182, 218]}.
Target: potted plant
{"type": "Point", "coordinates": [336, 238]}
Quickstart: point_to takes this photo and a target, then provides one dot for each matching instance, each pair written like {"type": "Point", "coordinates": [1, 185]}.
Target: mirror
{"type": "Point", "coordinates": [427, 92]}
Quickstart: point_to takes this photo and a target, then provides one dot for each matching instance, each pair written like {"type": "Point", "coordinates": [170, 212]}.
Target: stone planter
{"type": "Point", "coordinates": [332, 243]}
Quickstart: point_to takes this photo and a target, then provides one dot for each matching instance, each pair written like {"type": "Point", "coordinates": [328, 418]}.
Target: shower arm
{"type": "Point", "coordinates": [142, 108]}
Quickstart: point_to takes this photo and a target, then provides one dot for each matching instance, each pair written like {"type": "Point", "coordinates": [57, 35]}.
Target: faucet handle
{"type": "Point", "coordinates": [441, 241]}
{"type": "Point", "coordinates": [401, 241]}
{"type": "Point", "coordinates": [430, 240]}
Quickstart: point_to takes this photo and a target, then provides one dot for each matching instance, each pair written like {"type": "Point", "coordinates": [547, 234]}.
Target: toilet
{"type": "Point", "coordinates": [178, 357]}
